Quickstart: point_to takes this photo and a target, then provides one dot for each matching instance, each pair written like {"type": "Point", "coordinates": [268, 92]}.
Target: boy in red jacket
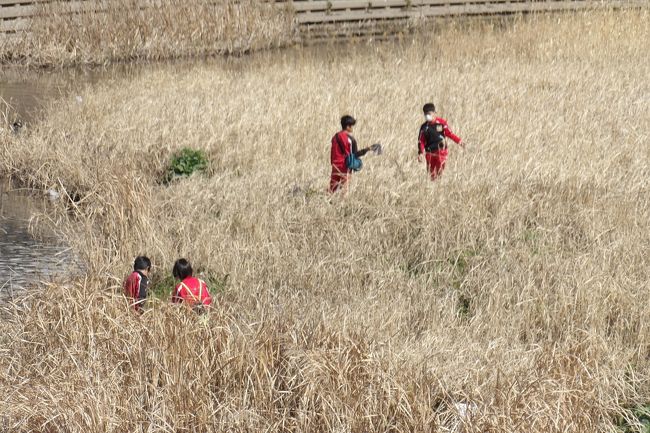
{"type": "Point", "coordinates": [432, 141]}
{"type": "Point", "coordinates": [136, 284]}
{"type": "Point", "coordinates": [343, 144]}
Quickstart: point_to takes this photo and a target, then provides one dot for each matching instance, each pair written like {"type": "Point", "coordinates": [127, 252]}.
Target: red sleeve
{"type": "Point", "coordinates": [340, 148]}
{"type": "Point", "coordinates": [448, 132]}
{"type": "Point", "coordinates": [334, 151]}
{"type": "Point", "coordinates": [347, 146]}
{"type": "Point", "coordinates": [421, 142]}
{"type": "Point", "coordinates": [130, 287]}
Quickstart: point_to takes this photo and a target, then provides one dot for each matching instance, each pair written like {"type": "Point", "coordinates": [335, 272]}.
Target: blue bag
{"type": "Point", "coordinates": [353, 163]}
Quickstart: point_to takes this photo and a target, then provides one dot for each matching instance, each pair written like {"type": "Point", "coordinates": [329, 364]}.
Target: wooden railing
{"type": "Point", "coordinates": [320, 11]}
{"type": "Point", "coordinates": [15, 14]}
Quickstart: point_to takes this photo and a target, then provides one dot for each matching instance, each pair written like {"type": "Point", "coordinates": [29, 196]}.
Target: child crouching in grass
{"type": "Point", "coordinates": [137, 283]}
{"type": "Point", "coordinates": [190, 291]}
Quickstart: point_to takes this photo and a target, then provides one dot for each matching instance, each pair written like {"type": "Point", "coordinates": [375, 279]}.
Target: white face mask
{"type": "Point", "coordinates": [429, 117]}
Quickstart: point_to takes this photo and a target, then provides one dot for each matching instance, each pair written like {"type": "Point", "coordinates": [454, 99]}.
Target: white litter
{"type": "Point", "coordinates": [53, 194]}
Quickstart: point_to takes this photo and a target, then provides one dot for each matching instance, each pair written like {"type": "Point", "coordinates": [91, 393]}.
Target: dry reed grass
{"type": "Point", "coordinates": [518, 283]}
{"type": "Point", "coordinates": [108, 31]}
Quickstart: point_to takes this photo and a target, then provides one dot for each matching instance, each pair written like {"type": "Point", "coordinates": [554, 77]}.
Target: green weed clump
{"type": "Point", "coordinates": [163, 284]}
{"type": "Point", "coordinates": [635, 419]}
{"type": "Point", "coordinates": [185, 162]}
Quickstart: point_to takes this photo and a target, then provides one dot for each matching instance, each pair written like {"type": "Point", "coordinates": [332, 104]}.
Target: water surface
{"type": "Point", "coordinates": [25, 258]}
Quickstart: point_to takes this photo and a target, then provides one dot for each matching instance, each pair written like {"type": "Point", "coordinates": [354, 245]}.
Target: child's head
{"type": "Point", "coordinates": [142, 264]}
{"type": "Point", "coordinates": [347, 122]}
{"type": "Point", "coordinates": [429, 111]}
{"type": "Point", "coordinates": [182, 269]}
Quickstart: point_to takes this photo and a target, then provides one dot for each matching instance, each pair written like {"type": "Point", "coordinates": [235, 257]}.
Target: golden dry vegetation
{"type": "Point", "coordinates": [107, 31]}
{"type": "Point", "coordinates": [517, 284]}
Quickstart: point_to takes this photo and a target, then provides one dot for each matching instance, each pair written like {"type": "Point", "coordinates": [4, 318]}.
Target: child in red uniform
{"type": "Point", "coordinates": [191, 291]}
{"type": "Point", "coordinates": [137, 283]}
{"type": "Point", "coordinates": [343, 143]}
{"type": "Point", "coordinates": [431, 141]}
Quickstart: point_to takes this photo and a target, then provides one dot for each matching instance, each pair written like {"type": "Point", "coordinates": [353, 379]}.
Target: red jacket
{"type": "Point", "coordinates": [135, 288]}
{"type": "Point", "coordinates": [192, 291]}
{"type": "Point", "coordinates": [445, 130]}
{"type": "Point", "coordinates": [341, 147]}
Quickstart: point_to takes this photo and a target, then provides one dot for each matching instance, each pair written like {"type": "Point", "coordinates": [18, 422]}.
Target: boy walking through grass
{"type": "Point", "coordinates": [432, 141]}
{"type": "Point", "coordinates": [344, 145]}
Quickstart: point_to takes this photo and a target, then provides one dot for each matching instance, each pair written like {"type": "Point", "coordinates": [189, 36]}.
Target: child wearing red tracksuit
{"type": "Point", "coordinates": [343, 143]}
{"type": "Point", "coordinates": [431, 141]}
{"type": "Point", "coordinates": [191, 291]}
{"type": "Point", "coordinates": [137, 283]}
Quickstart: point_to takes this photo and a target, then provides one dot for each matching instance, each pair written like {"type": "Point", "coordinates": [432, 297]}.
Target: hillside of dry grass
{"type": "Point", "coordinates": [516, 284]}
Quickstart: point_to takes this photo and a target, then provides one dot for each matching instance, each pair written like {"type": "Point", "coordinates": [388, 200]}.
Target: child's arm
{"type": "Point", "coordinates": [129, 290]}
{"type": "Point", "coordinates": [354, 148]}
{"type": "Point", "coordinates": [421, 143]}
{"type": "Point", "coordinates": [450, 134]}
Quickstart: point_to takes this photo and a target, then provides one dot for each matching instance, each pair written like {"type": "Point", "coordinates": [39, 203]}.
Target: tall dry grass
{"type": "Point", "coordinates": [108, 31]}
{"type": "Point", "coordinates": [516, 284]}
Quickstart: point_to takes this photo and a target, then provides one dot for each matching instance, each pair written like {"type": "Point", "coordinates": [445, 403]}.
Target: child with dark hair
{"type": "Point", "coordinates": [137, 283]}
{"type": "Point", "coordinates": [432, 141]}
{"type": "Point", "coordinates": [191, 291]}
{"type": "Point", "coordinates": [343, 144]}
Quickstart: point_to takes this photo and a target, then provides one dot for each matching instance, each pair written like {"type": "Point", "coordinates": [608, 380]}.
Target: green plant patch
{"type": "Point", "coordinates": [464, 308]}
{"type": "Point", "coordinates": [185, 162]}
{"type": "Point", "coordinates": [162, 285]}
{"type": "Point", "coordinates": [217, 283]}
{"type": "Point", "coordinates": [641, 414]}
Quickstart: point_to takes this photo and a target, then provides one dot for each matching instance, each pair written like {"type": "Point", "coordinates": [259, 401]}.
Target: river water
{"type": "Point", "coordinates": [25, 258]}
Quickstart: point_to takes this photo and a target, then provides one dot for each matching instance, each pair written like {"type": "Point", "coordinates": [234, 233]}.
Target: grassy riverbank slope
{"type": "Point", "coordinates": [111, 31]}
{"type": "Point", "coordinates": [517, 283]}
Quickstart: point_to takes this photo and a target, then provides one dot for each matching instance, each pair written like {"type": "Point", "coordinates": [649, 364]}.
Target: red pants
{"type": "Point", "coordinates": [436, 162]}
{"type": "Point", "coordinates": [339, 178]}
